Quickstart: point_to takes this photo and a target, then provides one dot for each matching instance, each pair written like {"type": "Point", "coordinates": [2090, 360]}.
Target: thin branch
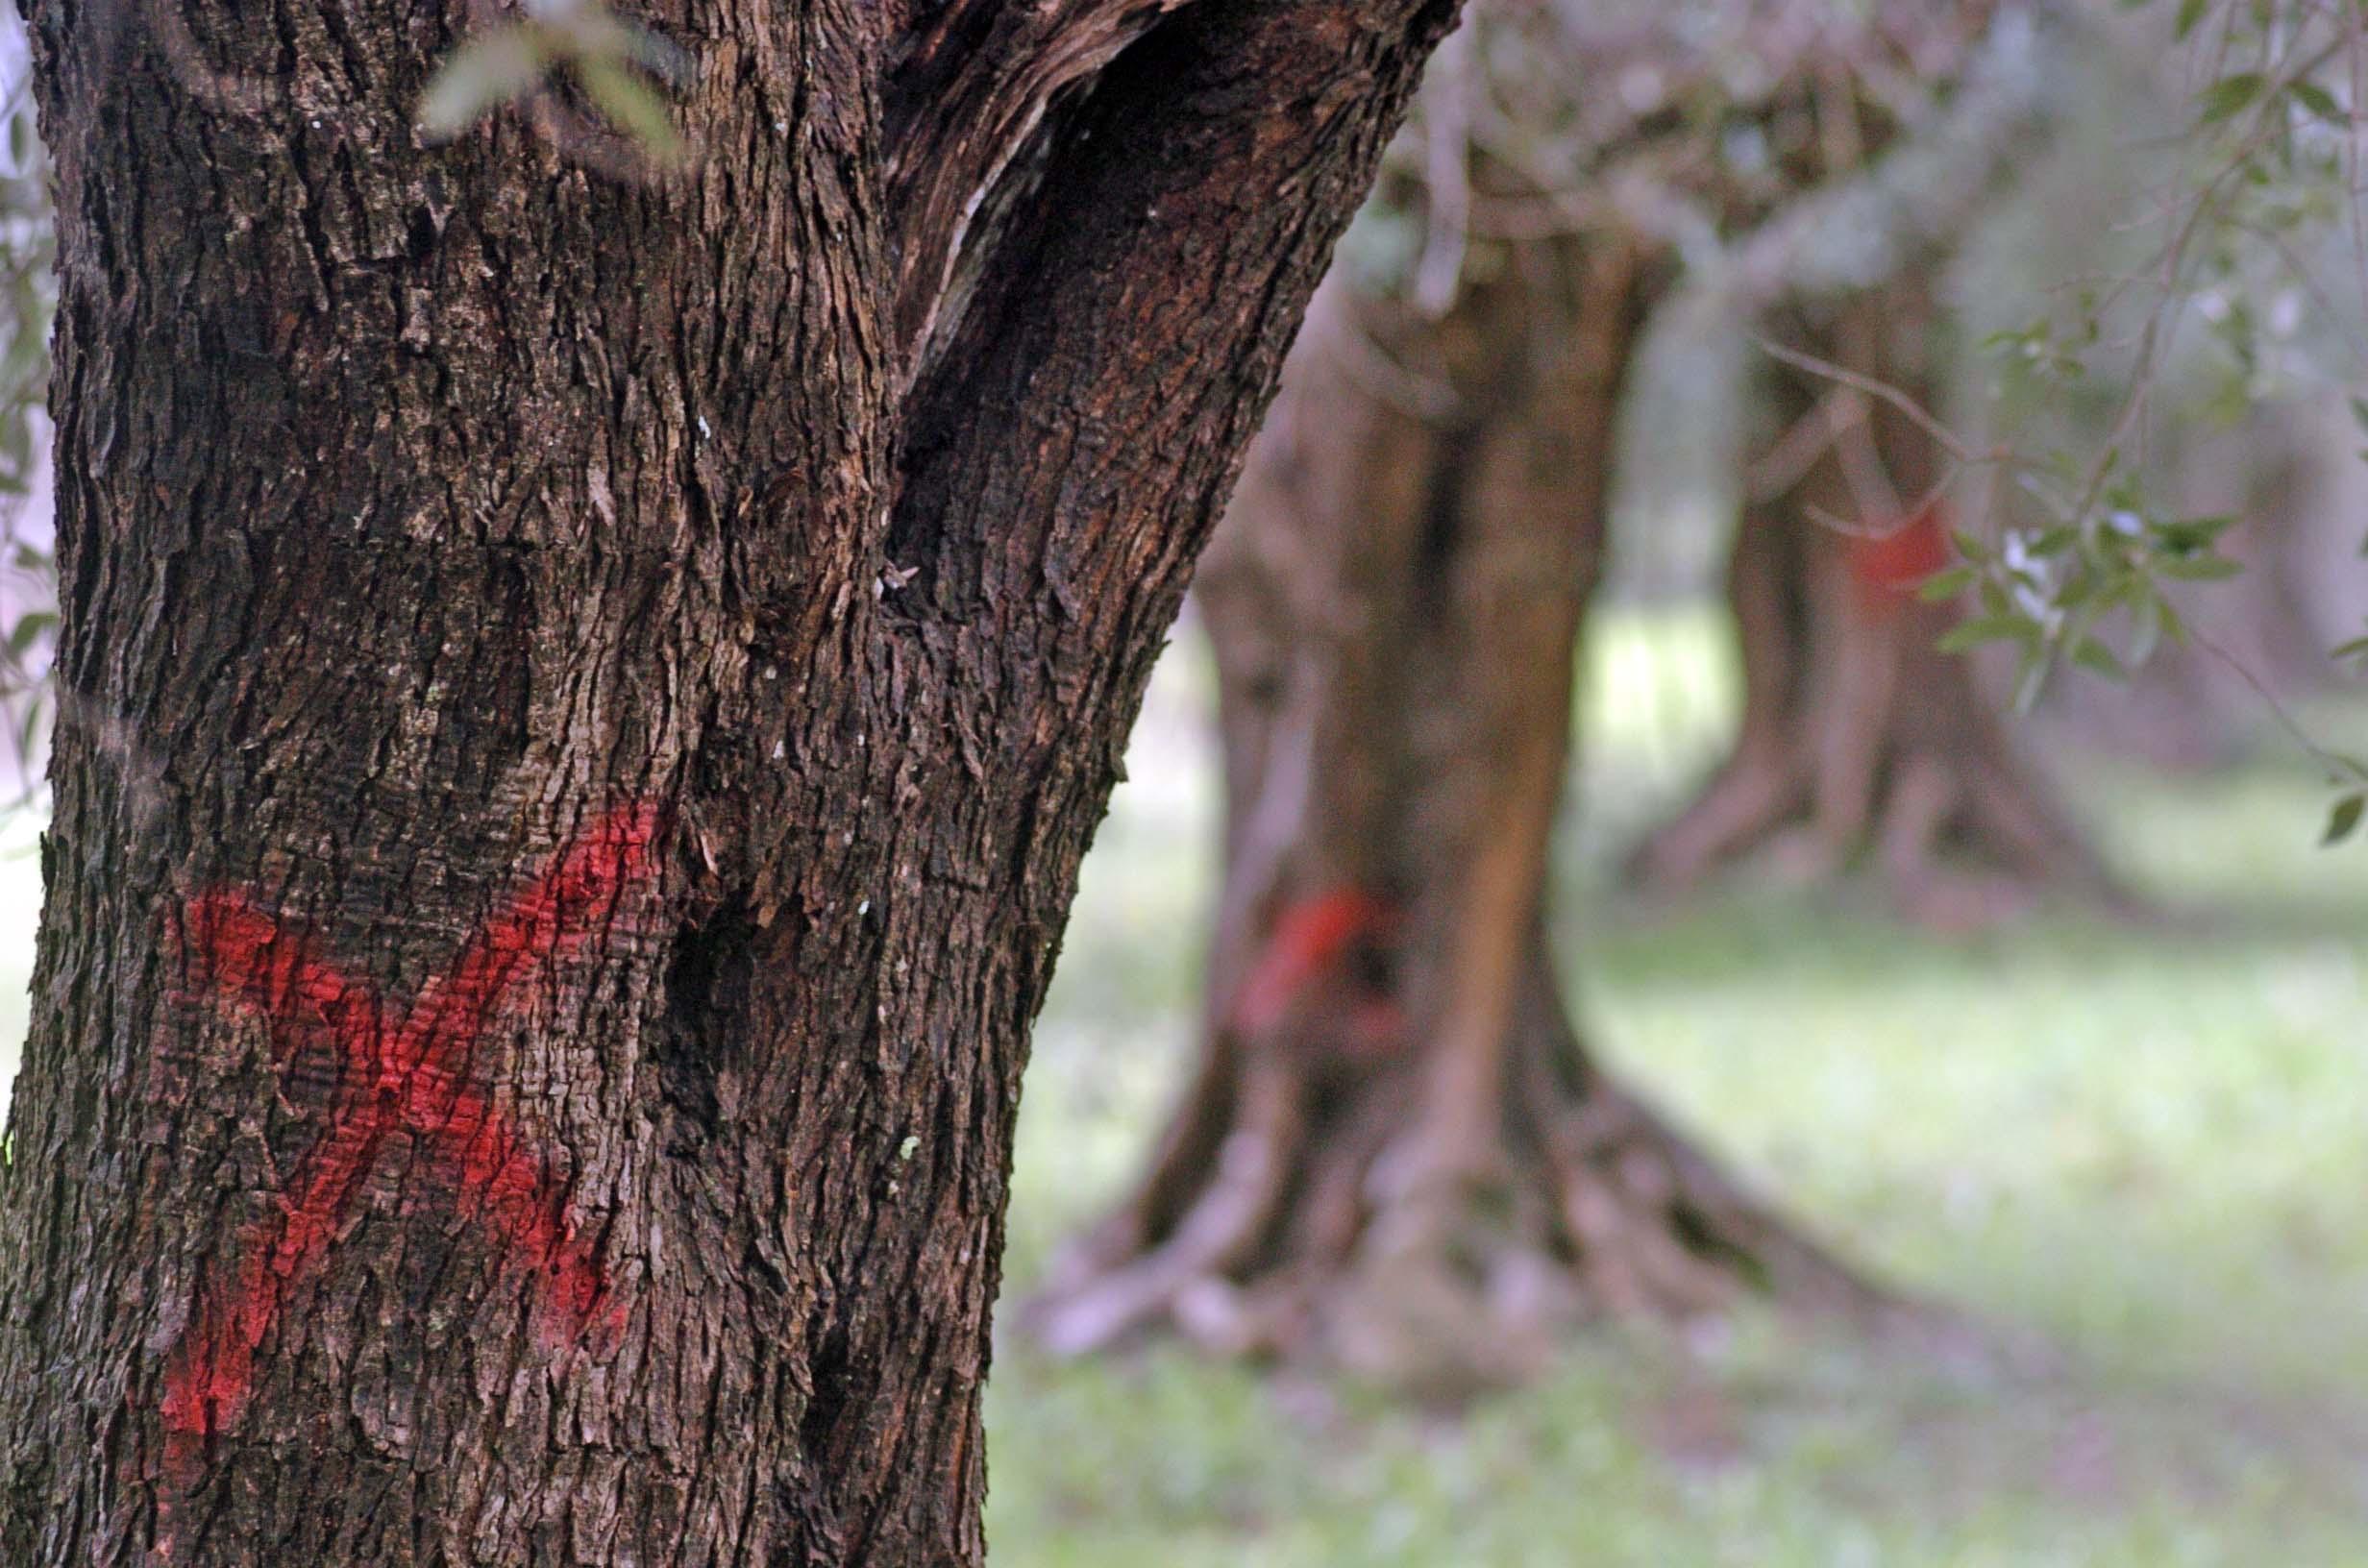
{"type": "Point", "coordinates": [1923, 420]}
{"type": "Point", "coordinates": [1446, 106]}
{"type": "Point", "coordinates": [2339, 766]}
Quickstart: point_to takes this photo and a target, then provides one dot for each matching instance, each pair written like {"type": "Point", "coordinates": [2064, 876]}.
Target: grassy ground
{"type": "Point", "coordinates": [2146, 1145]}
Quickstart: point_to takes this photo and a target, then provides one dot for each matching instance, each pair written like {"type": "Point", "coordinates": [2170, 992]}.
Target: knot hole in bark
{"type": "Point", "coordinates": [707, 999]}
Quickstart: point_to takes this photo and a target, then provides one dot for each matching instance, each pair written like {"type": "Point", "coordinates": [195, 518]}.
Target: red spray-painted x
{"type": "Point", "coordinates": [406, 1074]}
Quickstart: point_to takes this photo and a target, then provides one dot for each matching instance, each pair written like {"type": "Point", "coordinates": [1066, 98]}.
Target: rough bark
{"type": "Point", "coordinates": [1860, 739]}
{"type": "Point", "coordinates": [1394, 1154]}
{"type": "Point", "coordinates": [580, 719]}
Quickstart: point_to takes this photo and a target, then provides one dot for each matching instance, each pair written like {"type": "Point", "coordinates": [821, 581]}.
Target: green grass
{"type": "Point", "coordinates": [2150, 1146]}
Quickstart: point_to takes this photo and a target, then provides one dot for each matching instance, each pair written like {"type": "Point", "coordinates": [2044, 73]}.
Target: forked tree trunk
{"type": "Point", "coordinates": [1394, 1153]}
{"type": "Point", "coordinates": [1860, 739]}
{"type": "Point", "coordinates": [582, 704]}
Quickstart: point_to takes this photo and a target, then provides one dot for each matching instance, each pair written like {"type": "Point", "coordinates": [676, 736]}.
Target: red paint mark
{"type": "Point", "coordinates": [409, 1076]}
{"type": "Point", "coordinates": [1889, 566]}
{"type": "Point", "coordinates": [1309, 939]}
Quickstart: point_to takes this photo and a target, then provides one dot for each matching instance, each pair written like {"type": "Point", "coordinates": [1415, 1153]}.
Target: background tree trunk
{"type": "Point", "coordinates": [582, 703]}
{"type": "Point", "coordinates": [1394, 1152]}
{"type": "Point", "coordinates": [1859, 737]}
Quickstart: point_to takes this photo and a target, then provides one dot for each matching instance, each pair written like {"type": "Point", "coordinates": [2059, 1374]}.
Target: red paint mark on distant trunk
{"type": "Point", "coordinates": [1889, 567]}
{"type": "Point", "coordinates": [398, 1075]}
{"type": "Point", "coordinates": [1309, 940]}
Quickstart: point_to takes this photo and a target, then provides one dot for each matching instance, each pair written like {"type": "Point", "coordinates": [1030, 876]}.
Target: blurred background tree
{"type": "Point", "coordinates": [2063, 309]}
{"type": "Point", "coordinates": [27, 594]}
{"type": "Point", "coordinates": [1796, 252]}
{"type": "Point", "coordinates": [1393, 1134]}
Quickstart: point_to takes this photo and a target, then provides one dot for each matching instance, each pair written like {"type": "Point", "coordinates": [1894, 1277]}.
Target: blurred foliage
{"type": "Point", "coordinates": [514, 62]}
{"type": "Point", "coordinates": [1781, 151]}
{"type": "Point", "coordinates": [1760, 151]}
{"type": "Point", "coordinates": [2233, 272]}
{"type": "Point", "coordinates": [1680, 125]}
{"type": "Point", "coordinates": [27, 569]}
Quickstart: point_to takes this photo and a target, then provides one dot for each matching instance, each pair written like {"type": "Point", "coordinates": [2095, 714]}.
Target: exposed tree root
{"type": "Point", "coordinates": [1860, 740]}
{"type": "Point", "coordinates": [1327, 1227]}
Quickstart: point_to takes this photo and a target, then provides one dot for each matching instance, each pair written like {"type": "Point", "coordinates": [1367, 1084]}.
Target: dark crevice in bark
{"type": "Point", "coordinates": [1133, 192]}
{"type": "Point", "coordinates": [1442, 510]}
{"type": "Point", "coordinates": [709, 1017]}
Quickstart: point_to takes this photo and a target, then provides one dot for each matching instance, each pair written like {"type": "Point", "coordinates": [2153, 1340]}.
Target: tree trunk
{"type": "Point", "coordinates": [1859, 737]}
{"type": "Point", "coordinates": [1394, 1153]}
{"type": "Point", "coordinates": [582, 704]}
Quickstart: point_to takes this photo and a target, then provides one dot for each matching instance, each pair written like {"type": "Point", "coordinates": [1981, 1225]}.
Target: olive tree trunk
{"type": "Point", "coordinates": [1394, 1153]}
{"type": "Point", "coordinates": [582, 701]}
{"type": "Point", "coordinates": [1861, 741]}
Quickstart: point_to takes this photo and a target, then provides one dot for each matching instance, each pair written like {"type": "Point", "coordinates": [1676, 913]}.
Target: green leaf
{"type": "Point", "coordinates": [2190, 12]}
{"type": "Point", "coordinates": [2200, 567]}
{"type": "Point", "coordinates": [490, 70]}
{"type": "Point", "coordinates": [639, 111]}
{"type": "Point", "coordinates": [2230, 94]}
{"type": "Point", "coordinates": [2319, 101]}
{"type": "Point", "coordinates": [28, 729]}
{"type": "Point", "coordinates": [1945, 584]}
{"type": "Point", "coordinates": [28, 630]}
{"type": "Point", "coordinates": [2356, 648]}
{"type": "Point", "coordinates": [1977, 629]}
{"type": "Point", "coordinates": [2031, 680]}
{"type": "Point", "coordinates": [1969, 546]}
{"type": "Point", "coordinates": [2146, 613]}
{"type": "Point", "coordinates": [2098, 659]}
{"type": "Point", "coordinates": [2190, 534]}
{"type": "Point", "coordinates": [2343, 818]}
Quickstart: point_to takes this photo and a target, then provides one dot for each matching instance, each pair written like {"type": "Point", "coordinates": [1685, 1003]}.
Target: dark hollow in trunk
{"type": "Point", "coordinates": [581, 705]}
{"type": "Point", "coordinates": [1394, 1153]}
{"type": "Point", "coordinates": [1860, 739]}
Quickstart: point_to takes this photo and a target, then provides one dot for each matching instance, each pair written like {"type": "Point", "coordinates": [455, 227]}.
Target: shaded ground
{"type": "Point", "coordinates": [2146, 1146]}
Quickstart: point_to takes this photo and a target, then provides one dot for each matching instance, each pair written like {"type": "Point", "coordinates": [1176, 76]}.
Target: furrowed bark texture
{"type": "Point", "coordinates": [581, 720]}
{"type": "Point", "coordinates": [1394, 1153]}
{"type": "Point", "coordinates": [1860, 737]}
